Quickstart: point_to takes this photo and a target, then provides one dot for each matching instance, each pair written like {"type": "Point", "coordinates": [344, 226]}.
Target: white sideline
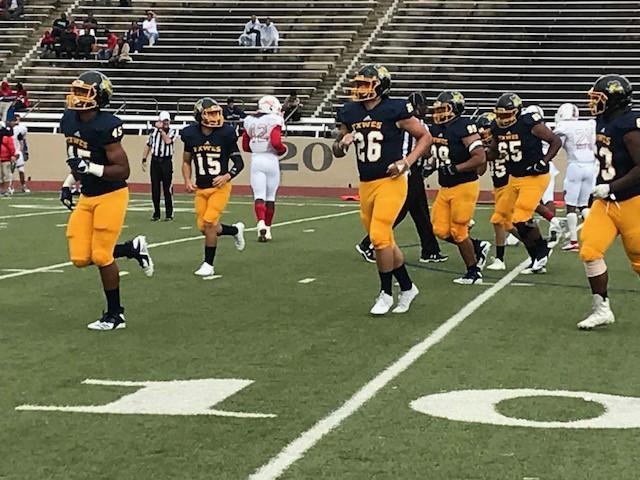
{"type": "Point", "coordinates": [306, 440]}
{"type": "Point", "coordinates": [179, 240]}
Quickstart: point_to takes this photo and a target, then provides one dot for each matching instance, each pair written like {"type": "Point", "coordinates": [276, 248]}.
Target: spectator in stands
{"type": "Point", "coordinates": [14, 9]}
{"type": "Point", "coordinates": [120, 54]}
{"type": "Point", "coordinates": [7, 158]}
{"type": "Point", "coordinates": [7, 97]}
{"type": "Point", "coordinates": [106, 51]}
{"type": "Point", "coordinates": [68, 44]}
{"type": "Point", "coordinates": [86, 43]}
{"type": "Point", "coordinates": [292, 108]}
{"type": "Point", "coordinates": [60, 25]}
{"type": "Point", "coordinates": [22, 98]}
{"type": "Point", "coordinates": [91, 23]}
{"type": "Point", "coordinates": [48, 44]}
{"type": "Point", "coordinates": [270, 37]}
{"type": "Point", "coordinates": [133, 35]}
{"type": "Point", "coordinates": [150, 28]}
{"type": "Point", "coordinates": [251, 35]}
{"type": "Point", "coordinates": [233, 113]}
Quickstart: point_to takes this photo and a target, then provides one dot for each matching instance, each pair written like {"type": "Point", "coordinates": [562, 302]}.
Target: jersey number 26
{"type": "Point", "coordinates": [369, 148]}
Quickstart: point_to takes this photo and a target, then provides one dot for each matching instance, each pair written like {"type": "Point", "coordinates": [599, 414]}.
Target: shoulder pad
{"type": "Point", "coordinates": [465, 127]}
{"type": "Point", "coordinates": [629, 121]}
{"type": "Point", "coordinates": [401, 108]}
{"type": "Point", "coordinates": [110, 128]}
{"type": "Point", "coordinates": [531, 119]}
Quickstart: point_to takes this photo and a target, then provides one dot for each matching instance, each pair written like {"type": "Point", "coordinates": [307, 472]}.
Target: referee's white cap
{"type": "Point", "coordinates": [164, 116]}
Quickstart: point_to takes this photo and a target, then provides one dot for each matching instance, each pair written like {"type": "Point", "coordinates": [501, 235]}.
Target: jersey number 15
{"type": "Point", "coordinates": [208, 163]}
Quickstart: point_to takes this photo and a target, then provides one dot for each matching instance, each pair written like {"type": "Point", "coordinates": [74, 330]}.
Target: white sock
{"type": "Point", "coordinates": [572, 222]}
{"type": "Point", "coordinates": [585, 212]}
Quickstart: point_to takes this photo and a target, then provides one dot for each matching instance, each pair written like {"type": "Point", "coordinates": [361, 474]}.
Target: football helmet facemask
{"type": "Point", "coordinates": [448, 105]}
{"type": "Point", "coordinates": [90, 90]}
{"type": "Point", "coordinates": [208, 113]}
{"type": "Point", "coordinates": [371, 82]}
{"type": "Point", "coordinates": [508, 108]}
{"type": "Point", "coordinates": [609, 92]}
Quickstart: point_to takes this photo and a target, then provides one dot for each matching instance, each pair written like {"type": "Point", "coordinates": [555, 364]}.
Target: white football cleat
{"type": "Point", "coordinates": [405, 299]}
{"type": "Point", "coordinates": [238, 238]}
{"type": "Point", "coordinates": [601, 314]}
{"type": "Point", "coordinates": [267, 235]}
{"type": "Point", "coordinates": [497, 264]}
{"type": "Point", "coordinates": [109, 321]}
{"type": "Point", "coordinates": [571, 246]}
{"type": "Point", "coordinates": [512, 240]}
{"type": "Point", "coordinates": [262, 231]}
{"type": "Point", "coordinates": [141, 248]}
{"type": "Point", "coordinates": [383, 304]}
{"type": "Point", "coordinates": [205, 270]}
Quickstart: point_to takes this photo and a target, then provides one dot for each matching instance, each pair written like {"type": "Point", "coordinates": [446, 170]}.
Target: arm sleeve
{"type": "Point", "coordinates": [245, 142]}
{"type": "Point", "coordinates": [276, 140]}
{"type": "Point", "coordinates": [236, 158]}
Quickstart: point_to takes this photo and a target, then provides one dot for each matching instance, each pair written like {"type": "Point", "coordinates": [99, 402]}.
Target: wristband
{"type": "Point", "coordinates": [95, 169]}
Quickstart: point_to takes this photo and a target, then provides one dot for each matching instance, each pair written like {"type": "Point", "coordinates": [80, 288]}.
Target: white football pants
{"type": "Point", "coordinates": [579, 183]}
{"type": "Point", "coordinates": [265, 176]}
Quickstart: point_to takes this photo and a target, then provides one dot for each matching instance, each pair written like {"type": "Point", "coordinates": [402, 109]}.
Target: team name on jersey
{"type": "Point", "coordinates": [603, 139]}
{"type": "Point", "coordinates": [508, 136]}
{"type": "Point", "coordinates": [440, 141]}
{"type": "Point", "coordinates": [376, 125]}
{"type": "Point", "coordinates": [78, 142]}
{"type": "Point", "coordinates": [207, 148]}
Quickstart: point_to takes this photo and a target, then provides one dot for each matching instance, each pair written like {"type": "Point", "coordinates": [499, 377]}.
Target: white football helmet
{"type": "Point", "coordinates": [567, 111]}
{"type": "Point", "coordinates": [269, 104]}
{"type": "Point", "coordinates": [534, 109]}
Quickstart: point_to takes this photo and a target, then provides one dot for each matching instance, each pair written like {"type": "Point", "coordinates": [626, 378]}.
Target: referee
{"type": "Point", "coordinates": [161, 145]}
{"type": "Point", "coordinates": [415, 204]}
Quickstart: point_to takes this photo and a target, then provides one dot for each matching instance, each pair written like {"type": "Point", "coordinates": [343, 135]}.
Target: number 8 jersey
{"type": "Point", "coordinates": [615, 160]}
{"type": "Point", "coordinates": [87, 140]}
{"type": "Point", "coordinates": [519, 145]}
{"type": "Point", "coordinates": [210, 153]}
{"type": "Point", "coordinates": [376, 135]}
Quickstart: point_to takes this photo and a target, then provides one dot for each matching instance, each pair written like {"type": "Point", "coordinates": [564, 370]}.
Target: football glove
{"type": "Point", "coordinates": [78, 165]}
{"type": "Point", "coordinates": [602, 191]}
{"type": "Point", "coordinates": [538, 168]}
{"type": "Point", "coordinates": [66, 197]}
{"type": "Point", "coordinates": [429, 166]}
{"type": "Point", "coordinates": [448, 170]}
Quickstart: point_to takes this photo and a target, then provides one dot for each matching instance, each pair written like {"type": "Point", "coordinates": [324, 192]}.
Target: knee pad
{"type": "Point", "coordinates": [81, 262]}
{"type": "Point", "coordinates": [459, 232]}
{"type": "Point", "coordinates": [102, 258]}
{"type": "Point", "coordinates": [595, 268]}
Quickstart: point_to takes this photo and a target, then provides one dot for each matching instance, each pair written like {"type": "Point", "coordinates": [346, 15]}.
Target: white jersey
{"type": "Point", "coordinates": [259, 129]}
{"type": "Point", "coordinates": [19, 134]}
{"type": "Point", "coordinates": [578, 139]}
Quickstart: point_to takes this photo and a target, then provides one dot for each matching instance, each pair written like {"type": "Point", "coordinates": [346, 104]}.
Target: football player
{"type": "Point", "coordinates": [503, 200]}
{"type": "Point", "coordinates": [262, 137]}
{"type": "Point", "coordinates": [457, 153]}
{"type": "Point", "coordinates": [375, 123]}
{"type": "Point", "coordinates": [416, 203]}
{"type": "Point", "coordinates": [579, 141]}
{"type": "Point", "coordinates": [518, 136]}
{"type": "Point", "coordinates": [617, 193]}
{"type": "Point", "coordinates": [211, 146]}
{"type": "Point", "coordinates": [96, 158]}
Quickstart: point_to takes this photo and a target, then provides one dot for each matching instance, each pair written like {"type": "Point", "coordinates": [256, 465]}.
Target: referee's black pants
{"type": "Point", "coordinates": [417, 205]}
{"type": "Point", "coordinates": [162, 173]}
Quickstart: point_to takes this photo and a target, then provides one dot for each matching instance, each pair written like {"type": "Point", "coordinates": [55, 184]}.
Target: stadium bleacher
{"type": "Point", "coordinates": [198, 53]}
{"type": "Point", "coordinates": [549, 52]}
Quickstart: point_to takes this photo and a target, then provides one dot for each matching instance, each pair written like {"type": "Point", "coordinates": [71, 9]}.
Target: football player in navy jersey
{"type": "Point", "coordinates": [375, 124]}
{"type": "Point", "coordinates": [457, 153]}
{"type": "Point", "coordinates": [96, 158]}
{"type": "Point", "coordinates": [518, 136]}
{"type": "Point", "coordinates": [212, 146]}
{"type": "Point", "coordinates": [616, 210]}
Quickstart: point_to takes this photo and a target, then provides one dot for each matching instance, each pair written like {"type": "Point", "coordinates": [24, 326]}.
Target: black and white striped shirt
{"type": "Point", "coordinates": [408, 144]}
{"type": "Point", "coordinates": [159, 148]}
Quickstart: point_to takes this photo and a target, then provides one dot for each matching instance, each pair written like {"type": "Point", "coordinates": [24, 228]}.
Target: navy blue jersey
{"type": "Point", "coordinates": [615, 160]}
{"type": "Point", "coordinates": [376, 135]}
{"type": "Point", "coordinates": [448, 148]}
{"type": "Point", "coordinates": [209, 153]}
{"type": "Point", "coordinates": [87, 140]}
{"type": "Point", "coordinates": [519, 145]}
{"type": "Point", "coordinates": [498, 168]}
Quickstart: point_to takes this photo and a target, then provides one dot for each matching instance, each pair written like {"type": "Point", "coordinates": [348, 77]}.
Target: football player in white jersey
{"type": "Point", "coordinates": [579, 141]}
{"type": "Point", "coordinates": [22, 152]}
{"type": "Point", "coordinates": [263, 138]}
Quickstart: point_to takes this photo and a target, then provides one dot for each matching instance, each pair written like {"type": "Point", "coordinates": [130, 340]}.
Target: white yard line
{"type": "Point", "coordinates": [180, 240]}
{"type": "Point", "coordinates": [309, 438]}
{"type": "Point", "coordinates": [34, 214]}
